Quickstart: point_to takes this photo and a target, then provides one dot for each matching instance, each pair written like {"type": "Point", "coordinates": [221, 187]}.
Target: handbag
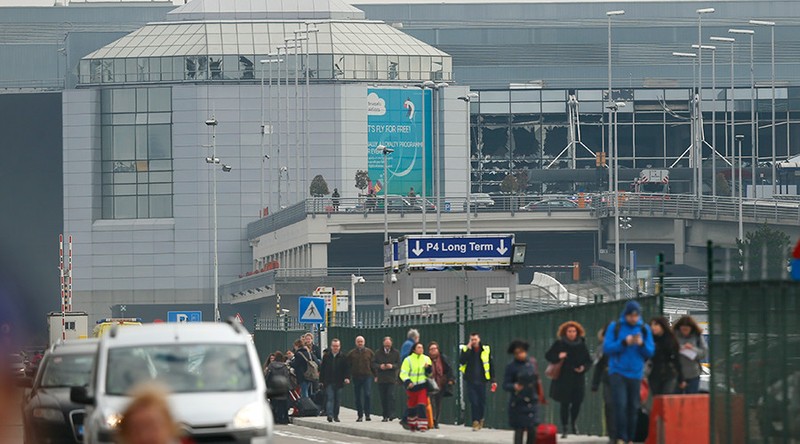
{"type": "Point", "coordinates": [553, 371]}
{"type": "Point", "coordinates": [433, 387]}
{"type": "Point", "coordinates": [312, 370]}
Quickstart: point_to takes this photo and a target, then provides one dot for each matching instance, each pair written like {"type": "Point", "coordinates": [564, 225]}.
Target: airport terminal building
{"type": "Point", "coordinates": [137, 83]}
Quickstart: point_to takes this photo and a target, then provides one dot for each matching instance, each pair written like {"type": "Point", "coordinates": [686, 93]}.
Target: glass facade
{"type": "Point", "coordinates": [526, 129]}
{"type": "Point", "coordinates": [231, 51]}
{"type": "Point", "coordinates": [136, 137]}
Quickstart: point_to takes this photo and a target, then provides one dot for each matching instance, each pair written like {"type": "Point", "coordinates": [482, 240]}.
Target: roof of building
{"type": "Point", "coordinates": [267, 9]}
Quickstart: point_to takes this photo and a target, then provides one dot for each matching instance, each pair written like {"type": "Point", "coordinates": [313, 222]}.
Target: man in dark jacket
{"type": "Point", "coordinates": [478, 369]}
{"type": "Point", "coordinates": [359, 364]}
{"type": "Point", "coordinates": [386, 364]}
{"type": "Point", "coordinates": [333, 376]}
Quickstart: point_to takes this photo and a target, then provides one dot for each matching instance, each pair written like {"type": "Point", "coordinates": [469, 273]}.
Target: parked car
{"type": "Point", "coordinates": [218, 392]}
{"type": "Point", "coordinates": [481, 200]}
{"type": "Point", "coordinates": [48, 414]}
{"type": "Point", "coordinates": [17, 364]}
{"type": "Point", "coordinates": [549, 205]}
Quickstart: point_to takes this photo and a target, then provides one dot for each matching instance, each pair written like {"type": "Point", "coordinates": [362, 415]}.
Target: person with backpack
{"type": "Point", "coordinates": [665, 372]}
{"type": "Point", "coordinates": [305, 368]}
{"type": "Point", "coordinates": [521, 380]}
{"type": "Point", "coordinates": [568, 389]}
{"type": "Point", "coordinates": [692, 351]}
{"type": "Point", "coordinates": [359, 364]}
{"type": "Point", "coordinates": [333, 377]}
{"type": "Point", "coordinates": [599, 377]}
{"type": "Point", "coordinates": [628, 344]}
{"type": "Point", "coordinates": [279, 402]}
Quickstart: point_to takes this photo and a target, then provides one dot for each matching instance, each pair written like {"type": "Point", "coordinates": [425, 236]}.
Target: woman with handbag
{"type": "Point", "coordinates": [693, 350]}
{"type": "Point", "coordinates": [414, 373]}
{"type": "Point", "coordinates": [443, 375]}
{"type": "Point", "coordinates": [568, 386]}
{"type": "Point", "coordinates": [521, 380]}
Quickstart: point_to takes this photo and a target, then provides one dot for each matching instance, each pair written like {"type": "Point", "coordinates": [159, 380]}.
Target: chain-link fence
{"type": "Point", "coordinates": [755, 362]}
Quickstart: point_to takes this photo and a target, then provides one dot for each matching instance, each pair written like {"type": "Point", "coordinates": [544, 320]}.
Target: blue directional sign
{"type": "Point", "coordinates": [184, 316]}
{"type": "Point", "coordinates": [482, 250]}
{"type": "Point", "coordinates": [312, 310]}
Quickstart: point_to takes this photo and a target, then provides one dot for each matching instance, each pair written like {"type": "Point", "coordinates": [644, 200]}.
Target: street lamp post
{"type": "Point", "coordinates": [753, 153]}
{"type": "Point", "coordinates": [264, 128]}
{"type": "Point", "coordinates": [610, 98]}
{"type": "Point", "coordinates": [713, 49]}
{"type": "Point", "coordinates": [214, 161]}
{"type": "Point", "coordinates": [307, 105]}
{"type": "Point", "coordinates": [699, 129]}
{"type": "Point", "coordinates": [614, 148]}
{"type": "Point", "coordinates": [423, 86]}
{"type": "Point", "coordinates": [385, 151]}
{"type": "Point", "coordinates": [295, 43]}
{"type": "Point", "coordinates": [772, 86]}
{"type": "Point", "coordinates": [695, 132]}
{"type": "Point", "coordinates": [467, 99]}
{"type": "Point", "coordinates": [729, 95]}
{"type": "Point", "coordinates": [353, 281]}
{"type": "Point", "coordinates": [739, 139]}
{"type": "Point", "coordinates": [437, 158]}
{"type": "Point", "coordinates": [625, 225]}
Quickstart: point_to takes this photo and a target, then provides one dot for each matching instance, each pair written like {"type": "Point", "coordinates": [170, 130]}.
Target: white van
{"type": "Point", "coordinates": [217, 389]}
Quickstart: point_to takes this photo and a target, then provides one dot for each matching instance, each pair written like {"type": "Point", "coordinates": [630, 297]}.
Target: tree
{"type": "Point", "coordinates": [362, 180]}
{"type": "Point", "coordinates": [763, 253]}
{"type": "Point", "coordinates": [522, 181]}
{"type": "Point", "coordinates": [509, 184]}
{"type": "Point", "coordinates": [723, 187]}
{"type": "Point", "coordinates": [319, 187]}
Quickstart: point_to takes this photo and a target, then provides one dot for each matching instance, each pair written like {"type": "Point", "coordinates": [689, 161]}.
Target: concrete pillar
{"type": "Point", "coordinates": [679, 237]}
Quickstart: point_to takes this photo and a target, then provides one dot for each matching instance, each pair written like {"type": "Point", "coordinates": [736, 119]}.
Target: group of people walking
{"type": "Point", "coordinates": [630, 353]}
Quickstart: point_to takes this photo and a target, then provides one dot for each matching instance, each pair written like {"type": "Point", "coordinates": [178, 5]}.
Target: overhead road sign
{"type": "Point", "coordinates": [184, 316]}
{"type": "Point", "coordinates": [312, 310]}
{"type": "Point", "coordinates": [443, 251]}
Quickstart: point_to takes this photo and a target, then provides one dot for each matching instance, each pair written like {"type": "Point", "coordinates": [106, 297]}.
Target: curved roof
{"type": "Point", "coordinates": [176, 39]}
{"type": "Point", "coordinates": [266, 10]}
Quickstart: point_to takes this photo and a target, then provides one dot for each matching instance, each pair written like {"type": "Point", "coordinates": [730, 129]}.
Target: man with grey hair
{"type": "Point", "coordinates": [359, 362]}
{"type": "Point", "coordinates": [413, 338]}
{"type": "Point", "coordinates": [385, 365]}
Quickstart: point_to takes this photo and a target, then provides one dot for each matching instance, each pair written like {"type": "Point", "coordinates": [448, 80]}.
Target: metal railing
{"type": "Point", "coordinates": [288, 273]}
{"type": "Point", "coordinates": [607, 279]}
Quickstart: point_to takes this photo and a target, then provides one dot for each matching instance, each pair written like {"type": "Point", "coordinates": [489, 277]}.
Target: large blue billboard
{"type": "Point", "coordinates": [395, 120]}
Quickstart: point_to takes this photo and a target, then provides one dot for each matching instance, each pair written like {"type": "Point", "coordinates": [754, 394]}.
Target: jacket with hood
{"type": "Point", "coordinates": [623, 359]}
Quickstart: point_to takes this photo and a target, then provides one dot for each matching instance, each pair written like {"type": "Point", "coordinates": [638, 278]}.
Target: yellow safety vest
{"type": "Point", "coordinates": [485, 353]}
{"type": "Point", "coordinates": [413, 368]}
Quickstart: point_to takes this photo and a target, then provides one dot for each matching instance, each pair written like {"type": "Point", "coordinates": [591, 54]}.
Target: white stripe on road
{"type": "Point", "coordinates": [293, 435]}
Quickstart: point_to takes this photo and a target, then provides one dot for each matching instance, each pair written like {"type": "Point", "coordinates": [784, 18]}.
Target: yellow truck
{"type": "Point", "coordinates": [104, 325]}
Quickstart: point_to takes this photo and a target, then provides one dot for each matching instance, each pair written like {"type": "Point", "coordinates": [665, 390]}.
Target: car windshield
{"type": "Point", "coordinates": [183, 368]}
{"type": "Point", "coordinates": [67, 371]}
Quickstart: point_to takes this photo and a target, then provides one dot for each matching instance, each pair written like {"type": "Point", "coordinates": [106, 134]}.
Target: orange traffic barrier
{"type": "Point", "coordinates": [679, 419]}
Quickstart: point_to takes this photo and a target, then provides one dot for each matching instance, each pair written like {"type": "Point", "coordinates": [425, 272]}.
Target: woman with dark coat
{"type": "Point", "coordinates": [665, 374]}
{"type": "Point", "coordinates": [568, 389]}
{"type": "Point", "coordinates": [520, 380]}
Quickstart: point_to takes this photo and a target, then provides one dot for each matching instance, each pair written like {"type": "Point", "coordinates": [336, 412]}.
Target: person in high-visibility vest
{"type": "Point", "coordinates": [414, 373]}
{"type": "Point", "coordinates": [477, 369]}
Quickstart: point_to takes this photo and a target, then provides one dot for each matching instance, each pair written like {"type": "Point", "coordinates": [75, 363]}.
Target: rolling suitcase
{"type": "Point", "coordinates": [546, 434]}
{"type": "Point", "coordinates": [306, 407]}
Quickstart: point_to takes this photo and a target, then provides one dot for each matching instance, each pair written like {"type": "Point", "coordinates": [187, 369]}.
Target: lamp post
{"type": "Point", "coordinates": [385, 151]}
{"type": "Point", "coordinates": [467, 99]}
{"type": "Point", "coordinates": [772, 86]}
{"type": "Point", "coordinates": [614, 148]}
{"type": "Point", "coordinates": [437, 157]}
{"type": "Point", "coordinates": [307, 105]}
{"type": "Point", "coordinates": [353, 281]}
{"type": "Point", "coordinates": [713, 49]}
{"type": "Point", "coordinates": [699, 129]}
{"type": "Point", "coordinates": [739, 138]}
{"type": "Point", "coordinates": [296, 44]}
{"type": "Point", "coordinates": [610, 99]}
{"type": "Point", "coordinates": [729, 95]}
{"type": "Point", "coordinates": [753, 154]}
{"type": "Point", "coordinates": [214, 161]}
{"type": "Point", "coordinates": [625, 225]}
{"type": "Point", "coordinates": [693, 151]}
{"type": "Point", "coordinates": [264, 156]}
{"type": "Point", "coordinates": [423, 86]}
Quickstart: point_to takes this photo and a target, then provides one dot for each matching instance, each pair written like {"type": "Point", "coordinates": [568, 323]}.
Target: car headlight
{"type": "Point", "coordinates": [113, 420]}
{"type": "Point", "coordinates": [251, 416]}
{"type": "Point", "coordinates": [48, 414]}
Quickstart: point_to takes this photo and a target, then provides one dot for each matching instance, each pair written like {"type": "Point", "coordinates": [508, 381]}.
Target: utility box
{"type": "Point", "coordinates": [76, 325]}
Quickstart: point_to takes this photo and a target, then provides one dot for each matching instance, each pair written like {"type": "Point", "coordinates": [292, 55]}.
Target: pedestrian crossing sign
{"type": "Point", "coordinates": [312, 310]}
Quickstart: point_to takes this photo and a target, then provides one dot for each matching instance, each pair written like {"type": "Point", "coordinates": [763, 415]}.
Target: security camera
{"type": "Point", "coordinates": [266, 156]}
{"type": "Point", "coordinates": [394, 278]}
{"type": "Point", "coordinates": [211, 122]}
{"type": "Point", "coordinates": [227, 168]}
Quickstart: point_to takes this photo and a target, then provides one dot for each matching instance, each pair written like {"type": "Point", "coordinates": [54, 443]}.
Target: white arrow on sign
{"type": "Point", "coordinates": [417, 251]}
{"type": "Point", "coordinates": [502, 249]}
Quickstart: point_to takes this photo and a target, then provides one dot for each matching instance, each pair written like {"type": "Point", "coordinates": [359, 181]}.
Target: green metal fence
{"type": "Point", "coordinates": [539, 329]}
{"type": "Point", "coordinates": [755, 362]}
